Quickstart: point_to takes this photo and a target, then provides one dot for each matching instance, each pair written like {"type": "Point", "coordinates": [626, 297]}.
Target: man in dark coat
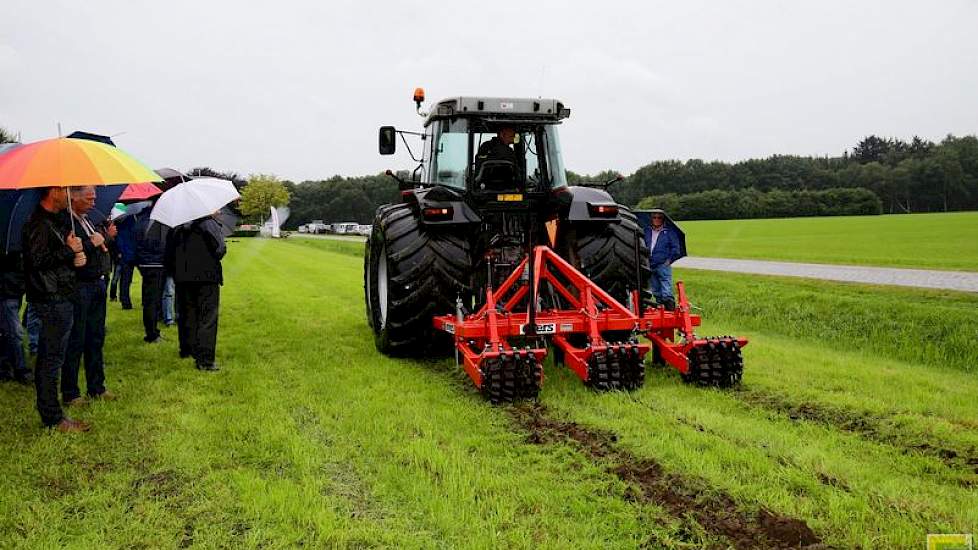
{"type": "Point", "coordinates": [12, 364]}
{"type": "Point", "coordinates": [150, 247]}
{"type": "Point", "coordinates": [498, 148]}
{"type": "Point", "coordinates": [193, 259]}
{"type": "Point", "coordinates": [51, 252]}
{"type": "Point", "coordinates": [88, 327]}
{"type": "Point", "coordinates": [665, 248]}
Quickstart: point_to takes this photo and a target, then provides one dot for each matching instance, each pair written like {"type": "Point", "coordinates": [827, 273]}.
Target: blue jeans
{"type": "Point", "coordinates": [33, 324]}
{"type": "Point", "coordinates": [169, 289]}
{"type": "Point", "coordinates": [13, 335]}
{"type": "Point", "coordinates": [56, 320]}
{"type": "Point", "coordinates": [87, 340]}
{"type": "Point", "coordinates": [661, 283]}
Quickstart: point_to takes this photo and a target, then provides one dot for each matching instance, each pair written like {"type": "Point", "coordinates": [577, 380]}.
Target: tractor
{"type": "Point", "coordinates": [491, 252]}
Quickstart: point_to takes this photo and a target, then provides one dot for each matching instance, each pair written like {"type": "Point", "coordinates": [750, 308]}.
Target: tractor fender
{"type": "Point", "coordinates": [583, 197]}
{"type": "Point", "coordinates": [443, 197]}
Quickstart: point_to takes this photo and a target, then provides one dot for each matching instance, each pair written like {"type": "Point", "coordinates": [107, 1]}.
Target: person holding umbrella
{"type": "Point", "coordinates": [150, 240]}
{"type": "Point", "coordinates": [51, 251]}
{"type": "Point", "coordinates": [665, 243]}
{"type": "Point", "coordinates": [193, 258]}
{"type": "Point", "coordinates": [88, 326]}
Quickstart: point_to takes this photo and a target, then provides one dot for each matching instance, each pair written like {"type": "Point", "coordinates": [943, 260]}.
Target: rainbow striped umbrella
{"type": "Point", "coordinates": [69, 162]}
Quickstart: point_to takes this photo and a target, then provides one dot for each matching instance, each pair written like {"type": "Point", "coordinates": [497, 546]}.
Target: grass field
{"type": "Point", "coordinates": [841, 432]}
{"type": "Point", "coordinates": [925, 241]}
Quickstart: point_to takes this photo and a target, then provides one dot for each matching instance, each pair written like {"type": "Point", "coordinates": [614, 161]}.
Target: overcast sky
{"type": "Point", "coordinates": [298, 88]}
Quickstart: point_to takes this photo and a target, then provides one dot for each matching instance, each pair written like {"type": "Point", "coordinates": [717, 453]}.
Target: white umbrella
{"type": "Point", "coordinates": [192, 200]}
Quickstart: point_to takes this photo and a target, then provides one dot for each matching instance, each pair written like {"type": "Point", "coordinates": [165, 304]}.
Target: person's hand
{"type": "Point", "coordinates": [80, 259]}
{"type": "Point", "coordinates": [97, 239]}
{"type": "Point", "coordinates": [73, 242]}
{"type": "Point", "coordinates": [112, 230]}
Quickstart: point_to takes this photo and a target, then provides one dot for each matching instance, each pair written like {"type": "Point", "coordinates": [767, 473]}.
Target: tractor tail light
{"type": "Point", "coordinates": [603, 210]}
{"type": "Point", "coordinates": [437, 214]}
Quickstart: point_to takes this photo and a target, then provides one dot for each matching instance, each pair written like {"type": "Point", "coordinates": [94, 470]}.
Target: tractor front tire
{"type": "Point", "coordinates": [412, 274]}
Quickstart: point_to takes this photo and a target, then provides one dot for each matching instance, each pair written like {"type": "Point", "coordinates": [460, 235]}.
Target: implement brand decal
{"type": "Point", "coordinates": [542, 328]}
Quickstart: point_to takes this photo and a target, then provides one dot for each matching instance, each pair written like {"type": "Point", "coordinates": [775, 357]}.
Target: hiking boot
{"type": "Point", "coordinates": [104, 396]}
{"type": "Point", "coordinates": [211, 367]}
{"type": "Point", "coordinates": [69, 425]}
{"type": "Point", "coordinates": [77, 402]}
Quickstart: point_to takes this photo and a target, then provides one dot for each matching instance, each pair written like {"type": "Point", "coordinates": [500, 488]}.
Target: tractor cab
{"type": "Point", "coordinates": [489, 146]}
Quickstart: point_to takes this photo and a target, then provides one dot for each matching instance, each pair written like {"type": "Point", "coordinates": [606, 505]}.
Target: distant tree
{"type": "Point", "coordinates": [263, 192]}
{"type": "Point", "coordinates": [871, 149]}
{"type": "Point", "coordinates": [207, 172]}
{"type": "Point", "coordinates": [6, 136]}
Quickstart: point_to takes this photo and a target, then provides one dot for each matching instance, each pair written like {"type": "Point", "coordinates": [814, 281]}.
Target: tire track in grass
{"type": "Point", "coordinates": [872, 427]}
{"type": "Point", "coordinates": [716, 512]}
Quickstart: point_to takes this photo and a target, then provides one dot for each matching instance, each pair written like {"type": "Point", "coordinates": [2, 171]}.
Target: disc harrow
{"type": "Point", "coordinates": [574, 324]}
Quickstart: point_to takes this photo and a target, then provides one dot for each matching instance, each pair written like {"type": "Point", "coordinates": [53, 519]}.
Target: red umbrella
{"type": "Point", "coordinates": [135, 192]}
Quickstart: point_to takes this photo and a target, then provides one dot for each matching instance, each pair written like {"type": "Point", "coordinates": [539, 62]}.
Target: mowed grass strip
{"type": "Point", "coordinates": [946, 241]}
{"type": "Point", "coordinates": [306, 437]}
{"type": "Point", "coordinates": [929, 327]}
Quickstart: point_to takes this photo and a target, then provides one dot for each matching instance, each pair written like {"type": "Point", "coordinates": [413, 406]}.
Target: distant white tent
{"type": "Point", "coordinates": [273, 226]}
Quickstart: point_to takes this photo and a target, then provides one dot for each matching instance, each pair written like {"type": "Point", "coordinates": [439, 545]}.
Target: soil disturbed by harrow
{"type": "Point", "coordinates": [716, 512]}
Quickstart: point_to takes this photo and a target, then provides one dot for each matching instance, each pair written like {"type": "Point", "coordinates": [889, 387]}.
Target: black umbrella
{"type": "Point", "coordinates": [645, 220]}
{"type": "Point", "coordinates": [228, 220]}
{"type": "Point", "coordinates": [171, 178]}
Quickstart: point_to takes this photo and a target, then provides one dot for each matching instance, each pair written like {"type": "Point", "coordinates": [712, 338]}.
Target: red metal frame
{"type": "Point", "coordinates": [485, 334]}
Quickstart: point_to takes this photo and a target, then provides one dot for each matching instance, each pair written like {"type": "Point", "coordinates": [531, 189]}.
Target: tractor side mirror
{"type": "Point", "coordinates": [388, 140]}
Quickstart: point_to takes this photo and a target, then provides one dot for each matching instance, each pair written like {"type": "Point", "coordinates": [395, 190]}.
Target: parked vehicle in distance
{"type": "Point", "coordinates": [317, 227]}
{"type": "Point", "coordinates": [344, 228]}
{"type": "Point", "coordinates": [303, 228]}
{"type": "Point", "coordinates": [364, 229]}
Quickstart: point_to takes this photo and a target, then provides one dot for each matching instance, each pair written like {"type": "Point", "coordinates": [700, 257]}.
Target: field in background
{"type": "Point", "coordinates": [925, 241]}
{"type": "Point", "coordinates": [856, 420]}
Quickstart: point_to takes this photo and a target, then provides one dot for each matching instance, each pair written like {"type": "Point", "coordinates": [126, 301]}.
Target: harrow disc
{"type": "Point", "coordinates": [510, 378]}
{"type": "Point", "coordinates": [618, 368]}
{"type": "Point", "coordinates": [633, 369]}
{"type": "Point", "coordinates": [716, 362]}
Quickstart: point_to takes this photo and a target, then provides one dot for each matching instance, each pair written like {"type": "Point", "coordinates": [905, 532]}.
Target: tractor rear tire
{"type": "Point", "coordinates": [412, 273]}
{"type": "Point", "coordinates": [605, 253]}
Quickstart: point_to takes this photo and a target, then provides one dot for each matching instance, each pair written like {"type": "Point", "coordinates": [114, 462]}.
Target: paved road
{"type": "Point", "coordinates": [921, 278]}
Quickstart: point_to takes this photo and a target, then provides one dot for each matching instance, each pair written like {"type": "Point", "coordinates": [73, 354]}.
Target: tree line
{"type": "Point", "coordinates": [914, 176]}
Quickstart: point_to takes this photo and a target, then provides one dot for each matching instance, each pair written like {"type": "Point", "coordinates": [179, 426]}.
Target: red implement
{"type": "Point", "coordinates": [503, 344]}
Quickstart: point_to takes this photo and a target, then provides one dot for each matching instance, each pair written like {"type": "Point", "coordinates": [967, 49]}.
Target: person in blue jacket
{"type": "Point", "coordinates": [150, 247]}
{"type": "Point", "coordinates": [125, 262]}
{"type": "Point", "coordinates": [665, 247]}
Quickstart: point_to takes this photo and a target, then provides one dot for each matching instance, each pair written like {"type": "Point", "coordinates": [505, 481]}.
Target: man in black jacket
{"type": "Point", "coordinates": [150, 239]}
{"type": "Point", "coordinates": [51, 252]}
{"type": "Point", "coordinates": [11, 295]}
{"type": "Point", "coordinates": [193, 259]}
{"type": "Point", "coordinates": [88, 326]}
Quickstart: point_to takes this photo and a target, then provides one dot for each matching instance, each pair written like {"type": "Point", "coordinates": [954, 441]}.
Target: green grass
{"type": "Point", "coordinates": [926, 241]}
{"type": "Point", "coordinates": [308, 436]}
